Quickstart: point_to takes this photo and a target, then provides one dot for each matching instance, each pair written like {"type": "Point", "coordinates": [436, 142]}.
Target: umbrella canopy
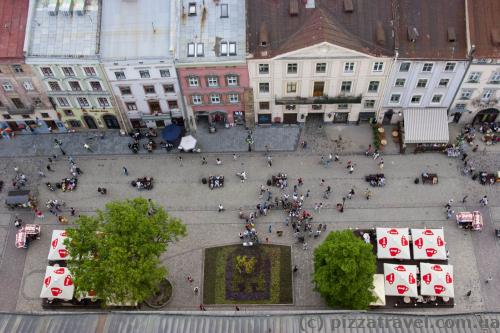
{"type": "Point", "coordinates": [57, 249]}
{"type": "Point", "coordinates": [57, 283]}
{"type": "Point", "coordinates": [393, 243]}
{"type": "Point", "coordinates": [400, 280]}
{"type": "Point", "coordinates": [428, 244]}
{"type": "Point", "coordinates": [436, 280]}
{"type": "Point", "coordinates": [378, 290]}
{"type": "Point", "coordinates": [187, 143]}
{"type": "Point", "coordinates": [171, 132]}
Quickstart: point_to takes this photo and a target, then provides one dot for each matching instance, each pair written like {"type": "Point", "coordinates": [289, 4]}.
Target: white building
{"type": "Point", "coordinates": [478, 97]}
{"type": "Point", "coordinates": [323, 60]}
{"type": "Point", "coordinates": [137, 48]}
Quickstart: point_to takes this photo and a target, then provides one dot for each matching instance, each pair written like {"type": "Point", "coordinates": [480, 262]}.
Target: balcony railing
{"type": "Point", "coordinates": [22, 111]}
{"type": "Point", "coordinates": [341, 99]}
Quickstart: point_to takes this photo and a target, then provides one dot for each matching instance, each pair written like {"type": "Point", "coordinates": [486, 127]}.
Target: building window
{"type": "Point", "coordinates": [47, 71]}
{"type": "Point", "coordinates": [233, 98]}
{"type": "Point", "coordinates": [125, 90]}
{"type": "Point", "coordinates": [83, 102]}
{"type": "Point", "coordinates": [17, 69]}
{"type": "Point", "coordinates": [291, 69]}
{"type": "Point", "coordinates": [224, 10]}
{"type": "Point", "coordinates": [28, 86]}
{"type": "Point", "coordinates": [450, 67]}
{"type": "Point", "coordinates": [37, 102]}
{"type": "Point", "coordinates": [291, 87]}
{"type": "Point", "coordinates": [192, 9]}
{"type": "Point", "coordinates": [149, 89]}
{"type": "Point", "coordinates": [474, 77]}
{"type": "Point", "coordinates": [63, 101]}
{"type": "Point", "coordinates": [264, 87]}
{"type": "Point", "coordinates": [400, 83]}
{"type": "Point", "coordinates": [45, 115]}
{"type": "Point", "coordinates": [172, 104]}
{"type": "Point", "coordinates": [215, 98]}
{"type": "Point", "coordinates": [343, 106]}
{"type": "Point", "coordinates": [378, 66]}
{"type": "Point", "coordinates": [290, 107]}
{"type": "Point", "coordinates": [436, 98]}
{"type": "Point", "coordinates": [164, 73]}
{"type": "Point", "coordinates": [144, 74]}
{"type": "Point", "coordinates": [466, 93]}
{"type": "Point", "coordinates": [321, 67]}
{"type": "Point", "coordinates": [191, 49]}
{"type": "Point", "coordinates": [68, 71]}
{"type": "Point", "coordinates": [373, 86]}
{"type": "Point", "coordinates": [120, 75]}
{"type": "Point", "coordinates": [345, 87]}
{"type": "Point", "coordinates": [369, 104]}
{"type": "Point", "coordinates": [263, 68]}
{"type": "Point", "coordinates": [460, 106]}
{"type": "Point", "coordinates": [169, 88]}
{"type": "Point", "coordinates": [264, 106]}
{"type": "Point", "coordinates": [89, 71]}
{"type": "Point", "coordinates": [193, 81]}
{"type": "Point", "coordinates": [199, 50]}
{"type": "Point", "coordinates": [223, 49]}
{"type": "Point", "coordinates": [427, 67]}
{"type": "Point", "coordinates": [103, 102]}
{"type": "Point", "coordinates": [131, 106]}
{"type": "Point", "coordinates": [495, 78]}
{"type": "Point", "coordinates": [7, 86]}
{"type": "Point", "coordinates": [443, 83]}
{"type": "Point", "coordinates": [232, 48]}
{"type": "Point", "coordinates": [232, 80]}
{"type": "Point", "coordinates": [348, 67]}
{"type": "Point", "coordinates": [54, 86]}
{"type": "Point", "coordinates": [404, 67]}
{"type": "Point", "coordinates": [95, 85]}
{"type": "Point", "coordinates": [395, 98]}
{"type": "Point", "coordinates": [422, 83]}
{"type": "Point", "coordinates": [213, 81]}
{"type": "Point", "coordinates": [68, 113]}
{"type": "Point", "coordinates": [196, 100]}
{"type": "Point", "coordinates": [75, 86]}
{"type": "Point", "coordinates": [487, 94]}
{"type": "Point", "coordinates": [17, 103]}
{"type": "Point", "coordinates": [74, 123]}
{"type": "Point", "coordinates": [415, 99]}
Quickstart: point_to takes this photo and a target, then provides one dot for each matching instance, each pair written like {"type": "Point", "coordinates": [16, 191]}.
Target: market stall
{"type": "Point", "coordinates": [57, 249]}
{"type": "Point", "coordinates": [57, 284]}
{"type": "Point", "coordinates": [470, 220]}
{"type": "Point", "coordinates": [144, 183]}
{"type": "Point", "coordinates": [68, 184]}
{"type": "Point", "coordinates": [428, 244]}
{"type": "Point", "coordinates": [26, 234]}
{"type": "Point", "coordinates": [400, 280]}
{"type": "Point", "coordinates": [20, 199]}
{"type": "Point", "coordinates": [393, 243]}
{"type": "Point", "coordinates": [436, 280]}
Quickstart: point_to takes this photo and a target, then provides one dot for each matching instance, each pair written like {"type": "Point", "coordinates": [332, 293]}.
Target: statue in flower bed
{"type": "Point", "coordinates": [245, 265]}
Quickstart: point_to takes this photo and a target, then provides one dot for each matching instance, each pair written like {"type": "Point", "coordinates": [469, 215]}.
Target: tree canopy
{"type": "Point", "coordinates": [116, 253]}
{"type": "Point", "coordinates": [344, 266]}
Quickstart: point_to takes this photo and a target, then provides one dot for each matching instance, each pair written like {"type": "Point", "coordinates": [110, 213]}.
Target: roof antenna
{"type": "Point", "coordinates": [153, 25]}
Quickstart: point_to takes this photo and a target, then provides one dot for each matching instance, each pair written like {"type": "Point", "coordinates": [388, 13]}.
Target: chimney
{"type": "Point", "coordinates": [310, 4]}
{"type": "Point", "coordinates": [495, 37]}
{"type": "Point", "coordinates": [348, 6]}
{"type": "Point", "coordinates": [412, 34]}
{"type": "Point", "coordinates": [293, 7]}
{"type": "Point", "coordinates": [380, 33]}
{"type": "Point", "coordinates": [452, 36]}
{"type": "Point", "coordinates": [263, 35]}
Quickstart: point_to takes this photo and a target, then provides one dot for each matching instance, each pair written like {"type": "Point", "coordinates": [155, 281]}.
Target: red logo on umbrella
{"type": "Point", "coordinates": [63, 253]}
{"type": "Point", "coordinates": [430, 252]}
{"type": "Point", "coordinates": [59, 270]}
{"type": "Point", "coordinates": [438, 289]}
{"type": "Point", "coordinates": [419, 242]}
{"type": "Point", "coordinates": [448, 278]}
{"type": "Point", "coordinates": [427, 278]}
{"type": "Point", "coordinates": [68, 281]}
{"type": "Point", "coordinates": [56, 291]}
{"type": "Point", "coordinates": [390, 278]}
{"type": "Point", "coordinates": [411, 279]}
{"type": "Point", "coordinates": [393, 232]}
{"type": "Point", "coordinates": [400, 268]}
{"type": "Point", "coordinates": [54, 243]}
{"type": "Point", "coordinates": [437, 268]}
{"type": "Point", "coordinates": [383, 242]}
{"type": "Point", "coordinates": [46, 282]}
{"type": "Point", "coordinates": [402, 289]}
{"type": "Point", "coordinates": [440, 241]}
{"type": "Point", "coordinates": [428, 232]}
{"type": "Point", "coordinates": [394, 251]}
{"type": "Point", "coordinates": [404, 241]}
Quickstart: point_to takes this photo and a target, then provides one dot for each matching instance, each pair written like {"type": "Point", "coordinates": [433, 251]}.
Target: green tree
{"type": "Point", "coordinates": [344, 266]}
{"type": "Point", "coordinates": [116, 253]}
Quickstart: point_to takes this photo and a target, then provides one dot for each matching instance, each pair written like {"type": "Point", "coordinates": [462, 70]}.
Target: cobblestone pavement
{"type": "Point", "coordinates": [179, 189]}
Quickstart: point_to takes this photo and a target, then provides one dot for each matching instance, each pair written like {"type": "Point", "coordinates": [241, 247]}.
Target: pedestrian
{"type": "Point", "coordinates": [295, 188]}
{"type": "Point", "coordinates": [376, 154]}
{"type": "Point", "coordinates": [369, 151]}
{"type": "Point", "coordinates": [270, 229]}
{"type": "Point", "coordinates": [17, 222]}
{"type": "Point", "coordinates": [307, 193]}
{"type": "Point", "coordinates": [267, 149]}
{"type": "Point", "coordinates": [237, 308]}
{"type": "Point", "coordinates": [218, 161]}
{"type": "Point", "coordinates": [195, 290]}
{"type": "Point", "coordinates": [468, 293]}
{"type": "Point", "coordinates": [269, 161]}
{"type": "Point", "coordinates": [180, 159]}
{"type": "Point", "coordinates": [316, 206]}
{"type": "Point", "coordinates": [304, 144]}
{"type": "Point", "coordinates": [450, 202]}
{"type": "Point", "coordinates": [50, 159]}
{"type": "Point", "coordinates": [337, 158]}
{"type": "Point", "coordinates": [87, 147]}
{"type": "Point", "coordinates": [221, 208]}
{"type": "Point", "coordinates": [464, 156]}
{"type": "Point", "coordinates": [465, 199]}
{"type": "Point", "coordinates": [295, 269]}
{"type": "Point", "coordinates": [39, 214]}
{"type": "Point", "coordinates": [322, 182]}
{"type": "Point", "coordinates": [320, 206]}
{"type": "Point", "coordinates": [300, 181]}
{"type": "Point", "coordinates": [41, 174]}
{"type": "Point", "coordinates": [350, 194]}
{"type": "Point", "coordinates": [71, 160]}
{"type": "Point", "coordinates": [125, 171]}
{"type": "Point", "coordinates": [488, 280]}
{"type": "Point", "coordinates": [368, 194]}
{"type": "Point", "coordinates": [484, 201]}
{"type": "Point", "coordinates": [204, 160]}
{"type": "Point", "coordinates": [343, 200]}
{"type": "Point", "coordinates": [49, 168]}
{"type": "Point", "coordinates": [351, 169]}
{"type": "Point", "coordinates": [72, 211]}
{"type": "Point", "coordinates": [235, 157]}
{"type": "Point", "coordinates": [54, 157]}
{"type": "Point", "coordinates": [381, 164]}
{"type": "Point", "coordinates": [287, 221]}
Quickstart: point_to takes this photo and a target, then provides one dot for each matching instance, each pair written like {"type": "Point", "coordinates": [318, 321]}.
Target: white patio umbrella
{"type": "Point", "coordinates": [436, 280]}
{"type": "Point", "coordinates": [57, 283]}
{"type": "Point", "coordinates": [428, 244]}
{"type": "Point", "coordinates": [393, 243]}
{"type": "Point", "coordinates": [378, 290]}
{"type": "Point", "coordinates": [400, 280]}
{"type": "Point", "coordinates": [57, 250]}
{"type": "Point", "coordinates": [187, 143]}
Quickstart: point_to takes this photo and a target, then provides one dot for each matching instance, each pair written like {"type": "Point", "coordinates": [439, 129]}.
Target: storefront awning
{"type": "Point", "coordinates": [426, 125]}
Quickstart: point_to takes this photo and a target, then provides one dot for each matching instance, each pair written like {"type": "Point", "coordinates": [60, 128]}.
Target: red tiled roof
{"type": "Point", "coordinates": [13, 16]}
{"type": "Point", "coordinates": [484, 19]}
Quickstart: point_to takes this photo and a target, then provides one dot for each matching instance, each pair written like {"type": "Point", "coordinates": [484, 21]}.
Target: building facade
{"type": "Point", "coordinates": [137, 50]}
{"type": "Point", "coordinates": [62, 48]}
{"type": "Point", "coordinates": [210, 61]}
{"type": "Point", "coordinates": [24, 105]}
{"type": "Point", "coordinates": [318, 59]}
{"type": "Point", "coordinates": [478, 99]}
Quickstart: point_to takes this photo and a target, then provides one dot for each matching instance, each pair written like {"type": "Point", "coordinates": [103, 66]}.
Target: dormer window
{"type": "Point", "coordinates": [232, 48]}
{"type": "Point", "coordinates": [192, 9]}
{"type": "Point", "coordinates": [223, 49]}
{"type": "Point", "coordinates": [224, 10]}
